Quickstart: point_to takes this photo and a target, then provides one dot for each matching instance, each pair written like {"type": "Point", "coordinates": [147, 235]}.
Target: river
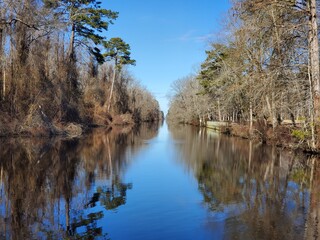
{"type": "Point", "coordinates": [156, 182]}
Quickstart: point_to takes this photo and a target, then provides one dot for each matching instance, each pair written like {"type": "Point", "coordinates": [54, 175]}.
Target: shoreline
{"type": "Point", "coordinates": [281, 136]}
{"type": "Point", "coordinates": [65, 130]}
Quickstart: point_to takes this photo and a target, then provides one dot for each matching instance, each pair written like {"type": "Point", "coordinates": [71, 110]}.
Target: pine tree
{"type": "Point", "coordinates": [86, 21]}
{"type": "Point", "coordinates": [119, 52]}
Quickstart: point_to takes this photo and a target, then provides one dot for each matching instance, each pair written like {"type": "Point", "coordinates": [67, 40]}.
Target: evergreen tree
{"type": "Point", "coordinates": [86, 20]}
{"type": "Point", "coordinates": [119, 52]}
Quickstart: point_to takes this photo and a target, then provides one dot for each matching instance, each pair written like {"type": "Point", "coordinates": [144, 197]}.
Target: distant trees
{"type": "Point", "coordinates": [188, 104]}
{"type": "Point", "coordinates": [268, 70]}
{"type": "Point", "coordinates": [129, 97]}
{"type": "Point", "coordinates": [142, 104]}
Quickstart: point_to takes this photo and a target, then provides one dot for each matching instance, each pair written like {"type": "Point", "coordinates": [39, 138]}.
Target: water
{"type": "Point", "coordinates": [175, 182]}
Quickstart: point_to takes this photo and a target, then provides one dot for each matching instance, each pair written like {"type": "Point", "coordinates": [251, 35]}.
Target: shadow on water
{"type": "Point", "coordinates": [252, 191]}
{"type": "Point", "coordinates": [60, 188]}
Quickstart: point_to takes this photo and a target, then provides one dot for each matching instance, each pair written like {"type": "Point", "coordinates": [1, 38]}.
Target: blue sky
{"type": "Point", "coordinates": [168, 38]}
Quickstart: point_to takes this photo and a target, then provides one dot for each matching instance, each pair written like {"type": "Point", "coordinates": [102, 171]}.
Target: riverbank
{"type": "Point", "coordinates": [284, 136]}
{"type": "Point", "coordinates": [39, 125]}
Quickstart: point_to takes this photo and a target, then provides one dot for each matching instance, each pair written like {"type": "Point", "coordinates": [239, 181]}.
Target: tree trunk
{"type": "Point", "coordinates": [219, 110]}
{"type": "Point", "coordinates": [271, 112]}
{"type": "Point", "coordinates": [71, 70]}
{"type": "Point", "coordinates": [314, 65]}
{"type": "Point", "coordinates": [112, 86]}
{"type": "Point", "coordinates": [311, 109]}
{"type": "Point", "coordinates": [234, 116]}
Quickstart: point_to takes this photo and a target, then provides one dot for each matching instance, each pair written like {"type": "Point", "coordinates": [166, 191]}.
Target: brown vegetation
{"type": "Point", "coordinates": [53, 70]}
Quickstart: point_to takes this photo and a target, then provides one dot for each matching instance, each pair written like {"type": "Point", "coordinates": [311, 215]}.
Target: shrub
{"type": "Point", "coordinates": [300, 134]}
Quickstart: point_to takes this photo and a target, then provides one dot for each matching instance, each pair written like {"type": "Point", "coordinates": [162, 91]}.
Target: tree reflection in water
{"type": "Point", "coordinates": [52, 188]}
{"type": "Point", "coordinates": [254, 191]}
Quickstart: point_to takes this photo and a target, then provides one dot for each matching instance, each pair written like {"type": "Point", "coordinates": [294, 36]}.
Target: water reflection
{"type": "Point", "coordinates": [60, 189]}
{"type": "Point", "coordinates": [79, 188]}
{"type": "Point", "coordinates": [252, 191]}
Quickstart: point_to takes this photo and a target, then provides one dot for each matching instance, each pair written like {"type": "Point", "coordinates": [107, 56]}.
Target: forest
{"type": "Point", "coordinates": [60, 73]}
{"type": "Point", "coordinates": [262, 77]}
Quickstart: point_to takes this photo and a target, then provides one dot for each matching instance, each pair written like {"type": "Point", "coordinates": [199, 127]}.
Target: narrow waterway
{"type": "Point", "coordinates": [156, 182]}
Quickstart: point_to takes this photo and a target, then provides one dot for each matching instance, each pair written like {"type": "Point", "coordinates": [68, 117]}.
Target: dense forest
{"type": "Point", "coordinates": [59, 72]}
{"type": "Point", "coordinates": [263, 75]}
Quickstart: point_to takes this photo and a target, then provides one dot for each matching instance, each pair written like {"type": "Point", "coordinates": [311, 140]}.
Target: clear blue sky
{"type": "Point", "coordinates": [168, 38]}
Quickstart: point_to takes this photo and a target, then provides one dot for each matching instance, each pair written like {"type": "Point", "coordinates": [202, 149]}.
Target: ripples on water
{"type": "Point", "coordinates": [176, 183]}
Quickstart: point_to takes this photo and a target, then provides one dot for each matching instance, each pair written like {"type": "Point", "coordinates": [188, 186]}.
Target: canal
{"type": "Point", "coordinates": [156, 182]}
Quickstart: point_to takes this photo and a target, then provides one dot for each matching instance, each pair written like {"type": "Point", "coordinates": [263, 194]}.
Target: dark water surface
{"type": "Point", "coordinates": [175, 182]}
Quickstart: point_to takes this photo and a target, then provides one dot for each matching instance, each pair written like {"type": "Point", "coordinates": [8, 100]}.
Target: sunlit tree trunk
{"type": "Point", "coordinates": [219, 111]}
{"type": "Point", "coordinates": [270, 107]}
{"type": "Point", "coordinates": [314, 66]}
{"type": "Point", "coordinates": [112, 86]}
{"type": "Point", "coordinates": [311, 109]}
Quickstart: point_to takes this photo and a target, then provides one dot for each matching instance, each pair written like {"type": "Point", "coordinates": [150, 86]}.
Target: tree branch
{"type": "Point", "coordinates": [15, 20]}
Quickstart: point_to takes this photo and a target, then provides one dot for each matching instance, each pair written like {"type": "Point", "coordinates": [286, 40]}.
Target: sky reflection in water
{"type": "Point", "coordinates": [178, 182]}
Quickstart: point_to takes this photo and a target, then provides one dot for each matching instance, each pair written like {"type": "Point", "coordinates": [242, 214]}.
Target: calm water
{"type": "Point", "coordinates": [173, 182]}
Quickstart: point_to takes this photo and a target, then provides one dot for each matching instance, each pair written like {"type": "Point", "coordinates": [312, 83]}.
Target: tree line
{"type": "Point", "coordinates": [265, 72]}
{"type": "Point", "coordinates": [57, 66]}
